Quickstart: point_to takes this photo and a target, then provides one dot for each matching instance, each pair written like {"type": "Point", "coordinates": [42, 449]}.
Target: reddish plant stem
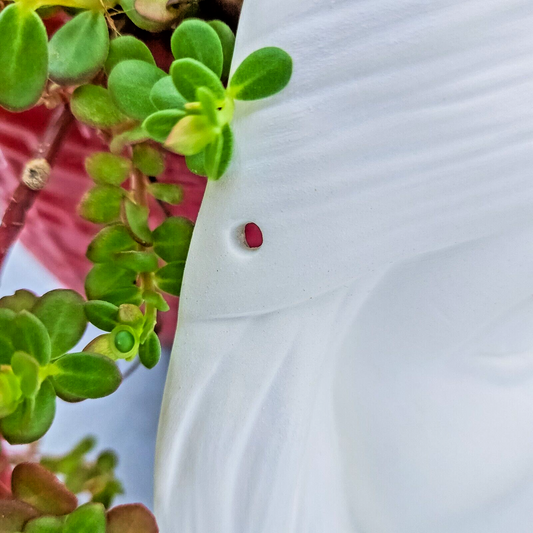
{"type": "Point", "coordinates": [24, 197]}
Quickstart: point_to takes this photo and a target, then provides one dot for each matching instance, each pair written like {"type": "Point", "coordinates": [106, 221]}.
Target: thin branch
{"type": "Point", "coordinates": [28, 189]}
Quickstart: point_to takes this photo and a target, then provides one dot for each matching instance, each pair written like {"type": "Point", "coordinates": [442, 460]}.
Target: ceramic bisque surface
{"type": "Point", "coordinates": [369, 369]}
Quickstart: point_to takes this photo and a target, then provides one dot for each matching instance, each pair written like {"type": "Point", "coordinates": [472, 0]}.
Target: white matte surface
{"type": "Point", "coordinates": [370, 368]}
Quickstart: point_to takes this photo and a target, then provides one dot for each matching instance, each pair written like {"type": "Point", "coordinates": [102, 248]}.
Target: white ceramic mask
{"type": "Point", "coordinates": [369, 369]}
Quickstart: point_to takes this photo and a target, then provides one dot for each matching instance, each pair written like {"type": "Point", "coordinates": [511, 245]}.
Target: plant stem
{"type": "Point", "coordinates": [24, 196]}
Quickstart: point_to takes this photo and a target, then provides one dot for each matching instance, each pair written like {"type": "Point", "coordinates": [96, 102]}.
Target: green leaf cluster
{"type": "Point", "coordinates": [189, 110]}
{"type": "Point", "coordinates": [36, 335]}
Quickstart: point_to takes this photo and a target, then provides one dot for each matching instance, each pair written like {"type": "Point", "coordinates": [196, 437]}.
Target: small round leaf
{"type": "Point", "coordinates": [127, 47]}
{"type": "Point", "coordinates": [104, 167]}
{"type": "Point", "coordinates": [61, 312]}
{"type": "Point", "coordinates": [86, 375]}
{"type": "Point", "coordinates": [263, 73]}
{"type": "Point", "coordinates": [35, 485]}
{"type": "Point", "coordinates": [150, 351]}
{"type": "Point", "coordinates": [148, 159]}
{"type": "Point", "coordinates": [130, 84]}
{"type": "Point", "coordinates": [23, 57]}
{"type": "Point", "coordinates": [167, 192]}
{"type": "Point", "coordinates": [92, 105]}
{"type": "Point", "coordinates": [116, 285]}
{"type": "Point", "coordinates": [78, 50]}
{"type": "Point", "coordinates": [196, 39]}
{"type": "Point", "coordinates": [132, 518]}
{"type": "Point", "coordinates": [109, 240]}
{"type": "Point", "coordinates": [101, 204]}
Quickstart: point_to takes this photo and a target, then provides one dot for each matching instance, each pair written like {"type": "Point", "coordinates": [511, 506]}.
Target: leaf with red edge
{"type": "Point", "coordinates": [14, 514]}
{"type": "Point", "coordinates": [131, 518]}
{"type": "Point", "coordinates": [35, 485]}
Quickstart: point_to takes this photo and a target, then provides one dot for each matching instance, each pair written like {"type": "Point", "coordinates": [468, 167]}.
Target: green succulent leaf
{"type": "Point", "coordinates": [23, 57]}
{"type": "Point", "coordinates": [109, 240]}
{"type": "Point", "coordinates": [173, 238]}
{"type": "Point", "coordinates": [164, 95]}
{"type": "Point", "coordinates": [196, 163]}
{"type": "Point", "coordinates": [169, 278]}
{"type": "Point", "coordinates": [160, 124]}
{"type": "Point", "coordinates": [166, 192]}
{"type": "Point", "coordinates": [20, 301]}
{"type": "Point", "coordinates": [196, 39]}
{"type": "Point", "coordinates": [263, 73]}
{"type": "Point", "coordinates": [86, 375]}
{"type": "Point", "coordinates": [102, 314]}
{"type": "Point", "coordinates": [7, 319]}
{"type": "Point", "coordinates": [218, 154]}
{"type": "Point", "coordinates": [26, 368]}
{"type": "Point", "coordinates": [101, 204]}
{"type": "Point", "coordinates": [92, 105]}
{"type": "Point", "coordinates": [14, 514]}
{"type": "Point", "coordinates": [137, 261]}
{"type": "Point", "coordinates": [227, 38]}
{"type": "Point", "coordinates": [137, 217]}
{"type": "Point", "coordinates": [35, 485]}
{"type": "Point", "coordinates": [148, 159]}
{"type": "Point", "coordinates": [189, 74]}
{"type": "Point", "coordinates": [112, 284]}
{"type": "Point", "coordinates": [45, 524]}
{"type": "Point", "coordinates": [89, 518]}
{"type": "Point", "coordinates": [150, 351]}
{"type": "Point", "coordinates": [130, 84]}
{"type": "Point", "coordinates": [104, 167]}
{"type": "Point", "coordinates": [191, 135]}
{"type": "Point", "coordinates": [132, 518]}
{"type": "Point", "coordinates": [127, 47]}
{"type": "Point", "coordinates": [61, 312]}
{"type": "Point", "coordinates": [155, 299]}
{"type": "Point", "coordinates": [78, 50]}
{"type": "Point", "coordinates": [31, 336]}
{"type": "Point", "coordinates": [32, 419]}
{"type": "Point", "coordinates": [10, 393]}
